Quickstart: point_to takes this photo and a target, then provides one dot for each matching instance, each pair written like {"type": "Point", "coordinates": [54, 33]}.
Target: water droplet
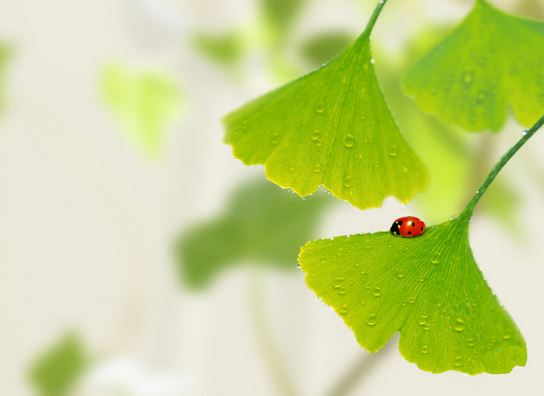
{"type": "Point", "coordinates": [344, 310]}
{"type": "Point", "coordinates": [292, 169]}
{"type": "Point", "coordinates": [459, 325]}
{"type": "Point", "coordinates": [320, 108]}
{"type": "Point", "coordinates": [471, 342]}
{"type": "Point", "coordinates": [425, 349]}
{"type": "Point", "coordinates": [317, 168]}
{"type": "Point", "coordinates": [316, 137]}
{"type": "Point", "coordinates": [349, 141]}
{"type": "Point", "coordinates": [436, 258]}
{"type": "Point", "coordinates": [275, 137]}
{"type": "Point", "coordinates": [377, 292]}
{"type": "Point", "coordinates": [506, 336]}
{"type": "Point", "coordinates": [371, 323]}
{"type": "Point", "coordinates": [347, 181]}
{"type": "Point", "coordinates": [393, 150]}
{"type": "Point", "coordinates": [458, 362]}
{"type": "Point", "coordinates": [401, 274]}
{"type": "Point", "coordinates": [423, 320]}
{"type": "Point", "coordinates": [338, 282]}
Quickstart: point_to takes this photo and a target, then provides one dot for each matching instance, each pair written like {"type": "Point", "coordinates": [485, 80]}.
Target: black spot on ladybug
{"type": "Point", "coordinates": [411, 223]}
{"type": "Point", "coordinates": [421, 228]}
{"type": "Point", "coordinates": [409, 232]}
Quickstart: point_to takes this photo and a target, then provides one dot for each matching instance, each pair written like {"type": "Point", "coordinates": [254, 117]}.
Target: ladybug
{"type": "Point", "coordinates": [409, 226]}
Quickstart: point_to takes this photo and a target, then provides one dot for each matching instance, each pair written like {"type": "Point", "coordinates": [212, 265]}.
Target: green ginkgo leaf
{"type": "Point", "coordinates": [490, 62]}
{"type": "Point", "coordinates": [331, 127]}
{"type": "Point", "coordinates": [144, 101]}
{"type": "Point", "coordinates": [428, 288]}
{"type": "Point", "coordinates": [261, 225]}
{"type": "Point", "coordinates": [57, 370]}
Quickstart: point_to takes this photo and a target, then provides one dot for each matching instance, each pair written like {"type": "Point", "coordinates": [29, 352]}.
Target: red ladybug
{"type": "Point", "coordinates": [409, 226]}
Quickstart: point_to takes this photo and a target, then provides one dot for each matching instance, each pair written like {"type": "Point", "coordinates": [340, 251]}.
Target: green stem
{"type": "Point", "coordinates": [362, 367]}
{"type": "Point", "coordinates": [265, 339]}
{"type": "Point", "coordinates": [373, 18]}
{"type": "Point", "coordinates": [500, 164]}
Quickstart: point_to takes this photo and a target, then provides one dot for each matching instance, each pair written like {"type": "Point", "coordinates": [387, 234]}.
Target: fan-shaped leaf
{"type": "Point", "coordinates": [261, 224]}
{"type": "Point", "coordinates": [331, 128]}
{"type": "Point", "coordinates": [428, 288]}
{"type": "Point", "coordinates": [490, 62]}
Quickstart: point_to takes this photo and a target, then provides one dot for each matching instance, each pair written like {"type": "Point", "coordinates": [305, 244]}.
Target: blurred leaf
{"type": "Point", "coordinates": [492, 61]}
{"type": "Point", "coordinates": [456, 168]}
{"type": "Point", "coordinates": [57, 370]}
{"type": "Point", "coordinates": [441, 147]}
{"type": "Point", "coordinates": [503, 203]}
{"type": "Point", "coordinates": [280, 15]}
{"type": "Point", "coordinates": [4, 57]}
{"type": "Point", "coordinates": [321, 47]}
{"type": "Point", "coordinates": [261, 225]}
{"type": "Point", "coordinates": [223, 49]}
{"type": "Point", "coordinates": [331, 127]}
{"type": "Point", "coordinates": [428, 288]}
{"type": "Point", "coordinates": [144, 102]}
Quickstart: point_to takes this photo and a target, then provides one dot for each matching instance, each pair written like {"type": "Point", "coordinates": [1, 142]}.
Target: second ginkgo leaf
{"type": "Point", "coordinates": [331, 127]}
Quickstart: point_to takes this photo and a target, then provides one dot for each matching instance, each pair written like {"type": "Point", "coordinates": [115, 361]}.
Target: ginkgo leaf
{"type": "Point", "coordinates": [144, 101]}
{"type": "Point", "coordinates": [260, 225]}
{"type": "Point", "coordinates": [428, 288]}
{"type": "Point", "coordinates": [55, 372]}
{"type": "Point", "coordinates": [331, 127]}
{"type": "Point", "coordinates": [490, 62]}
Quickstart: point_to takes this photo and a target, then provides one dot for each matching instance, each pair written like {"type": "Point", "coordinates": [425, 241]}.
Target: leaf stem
{"type": "Point", "coordinates": [361, 368]}
{"type": "Point", "coordinates": [373, 18]}
{"type": "Point", "coordinates": [269, 348]}
{"type": "Point", "coordinates": [527, 134]}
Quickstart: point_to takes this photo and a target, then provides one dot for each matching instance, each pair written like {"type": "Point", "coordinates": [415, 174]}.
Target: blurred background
{"type": "Point", "coordinates": [138, 257]}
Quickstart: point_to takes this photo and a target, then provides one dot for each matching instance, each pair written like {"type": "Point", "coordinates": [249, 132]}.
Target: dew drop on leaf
{"type": "Point", "coordinates": [349, 141]}
{"type": "Point", "coordinates": [393, 150]}
{"type": "Point", "coordinates": [459, 325]}
{"type": "Point", "coordinates": [320, 108]}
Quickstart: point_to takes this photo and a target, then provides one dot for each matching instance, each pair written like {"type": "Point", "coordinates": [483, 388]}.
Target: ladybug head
{"type": "Point", "coordinates": [395, 228]}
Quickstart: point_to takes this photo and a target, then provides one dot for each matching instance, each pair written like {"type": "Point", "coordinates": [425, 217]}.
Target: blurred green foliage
{"type": "Point", "coordinates": [4, 58]}
{"type": "Point", "coordinates": [56, 371]}
{"type": "Point", "coordinates": [457, 168]}
{"type": "Point", "coordinates": [223, 49]}
{"type": "Point", "coordinates": [261, 225]}
{"type": "Point", "coordinates": [144, 102]}
{"type": "Point", "coordinates": [323, 46]}
{"type": "Point", "coordinates": [279, 16]}
{"type": "Point", "coordinates": [491, 62]}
